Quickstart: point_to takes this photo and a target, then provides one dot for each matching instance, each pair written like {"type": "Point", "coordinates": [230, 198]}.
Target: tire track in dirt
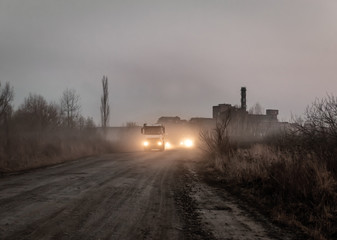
{"type": "Point", "coordinates": [153, 195]}
{"type": "Point", "coordinates": [127, 202]}
{"type": "Point", "coordinates": [27, 206]}
{"type": "Point", "coordinates": [34, 179]}
{"type": "Point", "coordinates": [150, 221]}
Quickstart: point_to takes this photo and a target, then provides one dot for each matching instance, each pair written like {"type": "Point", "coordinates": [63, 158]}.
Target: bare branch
{"type": "Point", "coordinates": [70, 107]}
{"type": "Point", "coordinates": [6, 97]}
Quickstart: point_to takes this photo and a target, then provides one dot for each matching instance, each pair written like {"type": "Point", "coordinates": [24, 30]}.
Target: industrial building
{"type": "Point", "coordinates": [240, 122]}
{"type": "Point", "coordinates": [222, 110]}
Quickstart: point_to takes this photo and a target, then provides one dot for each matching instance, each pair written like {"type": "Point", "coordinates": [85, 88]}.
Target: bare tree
{"type": "Point", "coordinates": [81, 123]}
{"type": "Point", "coordinates": [320, 120]}
{"type": "Point", "coordinates": [217, 144]}
{"type": "Point", "coordinates": [89, 123]}
{"type": "Point", "coordinates": [131, 124]}
{"type": "Point", "coordinates": [85, 123]}
{"type": "Point", "coordinates": [317, 132]}
{"type": "Point", "coordinates": [70, 107]}
{"type": "Point", "coordinates": [105, 108]}
{"type": "Point", "coordinates": [256, 109]}
{"type": "Point", "coordinates": [36, 114]}
{"type": "Point", "coordinates": [6, 97]}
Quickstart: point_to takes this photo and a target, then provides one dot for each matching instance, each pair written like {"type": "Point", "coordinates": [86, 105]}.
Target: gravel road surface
{"type": "Point", "coordinates": [139, 195]}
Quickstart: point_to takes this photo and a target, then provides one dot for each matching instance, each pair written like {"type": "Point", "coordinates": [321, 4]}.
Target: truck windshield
{"type": "Point", "coordinates": [153, 130]}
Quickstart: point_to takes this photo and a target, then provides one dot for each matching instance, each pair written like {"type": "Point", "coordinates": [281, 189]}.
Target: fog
{"type": "Point", "coordinates": [129, 139]}
{"type": "Point", "coordinates": [170, 58]}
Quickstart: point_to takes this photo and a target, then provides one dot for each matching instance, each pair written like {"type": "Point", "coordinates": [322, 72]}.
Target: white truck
{"type": "Point", "coordinates": [154, 137]}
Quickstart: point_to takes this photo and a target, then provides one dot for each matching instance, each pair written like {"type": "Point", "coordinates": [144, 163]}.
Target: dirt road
{"type": "Point", "coordinates": [139, 195]}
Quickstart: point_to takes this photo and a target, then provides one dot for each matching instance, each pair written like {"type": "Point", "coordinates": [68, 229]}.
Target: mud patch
{"type": "Point", "coordinates": [238, 216]}
{"type": "Point", "coordinates": [187, 207]}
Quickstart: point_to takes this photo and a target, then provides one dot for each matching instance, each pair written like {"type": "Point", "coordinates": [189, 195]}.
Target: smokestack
{"type": "Point", "coordinates": [243, 98]}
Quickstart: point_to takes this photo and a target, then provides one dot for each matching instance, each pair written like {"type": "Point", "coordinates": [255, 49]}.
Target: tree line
{"type": "Point", "coordinates": [36, 114]}
{"type": "Point", "coordinates": [38, 129]}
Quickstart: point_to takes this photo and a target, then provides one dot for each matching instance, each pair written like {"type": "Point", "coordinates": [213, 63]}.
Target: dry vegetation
{"type": "Point", "coordinates": [40, 133]}
{"type": "Point", "coordinates": [27, 151]}
{"type": "Point", "coordinates": [292, 176]}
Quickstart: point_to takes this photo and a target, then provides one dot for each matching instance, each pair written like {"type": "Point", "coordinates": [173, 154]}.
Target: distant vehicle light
{"type": "Point", "coordinates": [168, 145]}
{"type": "Point", "coordinates": [188, 143]}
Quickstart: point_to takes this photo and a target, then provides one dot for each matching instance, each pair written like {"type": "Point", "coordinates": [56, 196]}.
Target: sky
{"type": "Point", "coordinates": [170, 58]}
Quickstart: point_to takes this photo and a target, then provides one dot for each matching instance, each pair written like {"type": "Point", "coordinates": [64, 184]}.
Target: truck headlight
{"type": "Point", "coordinates": [146, 143]}
{"type": "Point", "coordinates": [160, 143]}
{"type": "Point", "coordinates": [188, 143]}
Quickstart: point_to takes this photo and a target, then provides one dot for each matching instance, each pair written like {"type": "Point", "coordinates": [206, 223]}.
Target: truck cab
{"type": "Point", "coordinates": [154, 137]}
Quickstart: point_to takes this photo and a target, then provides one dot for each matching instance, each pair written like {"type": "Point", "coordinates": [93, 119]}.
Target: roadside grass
{"type": "Point", "coordinates": [295, 188]}
{"type": "Point", "coordinates": [28, 151]}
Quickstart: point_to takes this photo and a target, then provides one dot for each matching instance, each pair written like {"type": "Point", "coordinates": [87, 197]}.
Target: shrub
{"type": "Point", "coordinates": [292, 174]}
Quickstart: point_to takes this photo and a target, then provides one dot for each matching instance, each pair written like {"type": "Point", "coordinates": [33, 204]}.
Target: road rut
{"type": "Point", "coordinates": [139, 195]}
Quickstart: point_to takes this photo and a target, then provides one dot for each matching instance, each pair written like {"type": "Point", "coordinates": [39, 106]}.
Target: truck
{"type": "Point", "coordinates": [154, 137]}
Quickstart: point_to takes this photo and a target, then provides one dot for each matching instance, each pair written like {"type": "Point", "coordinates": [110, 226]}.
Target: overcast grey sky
{"type": "Point", "coordinates": [172, 58]}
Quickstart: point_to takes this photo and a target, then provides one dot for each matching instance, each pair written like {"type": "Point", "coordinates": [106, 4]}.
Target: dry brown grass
{"type": "Point", "coordinates": [27, 151]}
{"type": "Point", "coordinates": [295, 188]}
{"type": "Point", "coordinates": [292, 175]}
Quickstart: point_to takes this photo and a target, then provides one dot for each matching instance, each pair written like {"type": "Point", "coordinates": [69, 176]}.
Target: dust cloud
{"type": "Point", "coordinates": [129, 139]}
